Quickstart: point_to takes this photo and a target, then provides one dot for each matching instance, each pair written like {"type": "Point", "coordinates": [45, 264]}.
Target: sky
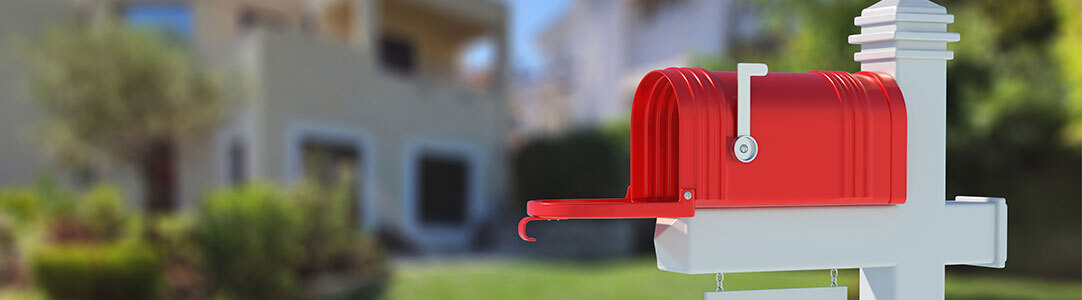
{"type": "Point", "coordinates": [174, 18]}
{"type": "Point", "coordinates": [528, 19]}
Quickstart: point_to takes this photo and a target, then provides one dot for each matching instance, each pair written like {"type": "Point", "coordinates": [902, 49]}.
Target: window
{"type": "Point", "coordinates": [252, 18]}
{"type": "Point", "coordinates": [238, 163]}
{"type": "Point", "coordinates": [174, 19]}
{"type": "Point", "coordinates": [443, 183]}
{"type": "Point", "coordinates": [651, 9]}
{"type": "Point", "coordinates": [397, 54]}
{"type": "Point", "coordinates": [334, 165]}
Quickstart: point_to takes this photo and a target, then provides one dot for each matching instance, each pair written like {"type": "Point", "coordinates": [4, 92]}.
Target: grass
{"type": "Point", "coordinates": [640, 279]}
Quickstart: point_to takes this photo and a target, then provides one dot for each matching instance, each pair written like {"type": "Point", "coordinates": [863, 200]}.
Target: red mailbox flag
{"type": "Point", "coordinates": [820, 138]}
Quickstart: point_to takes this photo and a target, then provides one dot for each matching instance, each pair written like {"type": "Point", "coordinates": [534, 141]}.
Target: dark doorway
{"type": "Point", "coordinates": [443, 182]}
{"type": "Point", "coordinates": [159, 176]}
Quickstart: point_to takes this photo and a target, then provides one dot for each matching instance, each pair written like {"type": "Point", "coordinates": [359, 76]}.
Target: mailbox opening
{"type": "Point", "coordinates": [655, 134]}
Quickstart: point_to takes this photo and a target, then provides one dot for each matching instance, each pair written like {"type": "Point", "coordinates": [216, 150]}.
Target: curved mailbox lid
{"type": "Point", "coordinates": [825, 138]}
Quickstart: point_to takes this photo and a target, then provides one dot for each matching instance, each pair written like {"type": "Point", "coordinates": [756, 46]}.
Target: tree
{"type": "Point", "coordinates": [121, 93]}
{"type": "Point", "coordinates": [1014, 105]}
{"type": "Point", "coordinates": [1067, 45]}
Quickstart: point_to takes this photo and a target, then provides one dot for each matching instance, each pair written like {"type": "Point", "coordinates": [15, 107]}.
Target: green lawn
{"type": "Point", "coordinates": [640, 279]}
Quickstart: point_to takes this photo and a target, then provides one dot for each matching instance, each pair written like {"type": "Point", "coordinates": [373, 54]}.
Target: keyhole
{"type": "Point", "coordinates": [743, 148]}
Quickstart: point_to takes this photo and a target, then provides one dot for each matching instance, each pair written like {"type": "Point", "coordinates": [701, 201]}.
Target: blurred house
{"type": "Point", "coordinates": [387, 95]}
{"type": "Point", "coordinates": [596, 53]}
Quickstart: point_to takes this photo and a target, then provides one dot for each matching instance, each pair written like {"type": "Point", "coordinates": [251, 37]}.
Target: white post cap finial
{"type": "Point", "coordinates": [909, 4]}
{"type": "Point", "coordinates": [892, 29]}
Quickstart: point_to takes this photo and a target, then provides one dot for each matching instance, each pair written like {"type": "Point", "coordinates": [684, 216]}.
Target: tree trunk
{"type": "Point", "coordinates": [159, 176]}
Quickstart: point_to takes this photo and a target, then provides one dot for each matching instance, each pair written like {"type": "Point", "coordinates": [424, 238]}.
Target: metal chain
{"type": "Point", "coordinates": [833, 277]}
{"type": "Point", "coordinates": [720, 277]}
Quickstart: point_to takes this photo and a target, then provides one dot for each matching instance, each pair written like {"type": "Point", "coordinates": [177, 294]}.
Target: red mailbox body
{"type": "Point", "coordinates": [824, 138]}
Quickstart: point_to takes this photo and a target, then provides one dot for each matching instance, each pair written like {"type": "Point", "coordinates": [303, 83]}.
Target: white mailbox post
{"type": "Point", "coordinates": [901, 250]}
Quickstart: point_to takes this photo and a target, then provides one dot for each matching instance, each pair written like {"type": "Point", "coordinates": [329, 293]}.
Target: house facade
{"type": "Point", "coordinates": [373, 93]}
{"type": "Point", "coordinates": [595, 54]}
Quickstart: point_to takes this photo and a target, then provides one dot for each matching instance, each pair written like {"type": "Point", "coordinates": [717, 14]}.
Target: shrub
{"type": "Point", "coordinates": [326, 230]}
{"type": "Point", "coordinates": [335, 247]}
{"type": "Point", "coordinates": [99, 215]}
{"type": "Point", "coordinates": [126, 270]}
{"type": "Point", "coordinates": [172, 237]}
{"type": "Point", "coordinates": [586, 163]}
{"type": "Point", "coordinates": [582, 164]}
{"type": "Point", "coordinates": [10, 265]}
{"type": "Point", "coordinates": [249, 243]}
{"type": "Point", "coordinates": [368, 272]}
{"type": "Point", "coordinates": [21, 205]}
{"type": "Point", "coordinates": [104, 213]}
{"type": "Point", "coordinates": [258, 242]}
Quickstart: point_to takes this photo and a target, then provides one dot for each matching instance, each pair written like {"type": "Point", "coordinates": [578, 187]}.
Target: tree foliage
{"type": "Point", "coordinates": [1068, 45]}
{"type": "Point", "coordinates": [1014, 105]}
{"type": "Point", "coordinates": [113, 90]}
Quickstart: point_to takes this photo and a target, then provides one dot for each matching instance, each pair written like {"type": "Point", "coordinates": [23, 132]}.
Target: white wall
{"type": "Point", "coordinates": [328, 90]}
{"type": "Point", "coordinates": [20, 121]}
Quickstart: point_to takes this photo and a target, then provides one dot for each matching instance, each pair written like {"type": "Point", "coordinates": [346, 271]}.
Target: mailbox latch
{"type": "Point", "coordinates": [745, 148]}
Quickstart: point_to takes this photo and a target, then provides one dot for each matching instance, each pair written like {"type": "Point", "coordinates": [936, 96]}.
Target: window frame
{"type": "Point", "coordinates": [472, 156]}
{"type": "Point", "coordinates": [298, 134]}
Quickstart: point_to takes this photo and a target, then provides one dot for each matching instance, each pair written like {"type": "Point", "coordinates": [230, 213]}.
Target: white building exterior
{"type": "Point", "coordinates": [372, 88]}
{"type": "Point", "coordinates": [597, 52]}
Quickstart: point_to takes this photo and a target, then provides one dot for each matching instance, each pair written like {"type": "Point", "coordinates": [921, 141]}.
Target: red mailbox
{"type": "Point", "coordinates": [813, 139]}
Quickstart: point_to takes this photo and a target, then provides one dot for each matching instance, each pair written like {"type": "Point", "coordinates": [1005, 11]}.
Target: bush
{"type": "Point", "coordinates": [99, 215]}
{"type": "Point", "coordinates": [104, 213]}
{"type": "Point", "coordinates": [326, 230]}
{"type": "Point", "coordinates": [335, 250]}
{"type": "Point", "coordinates": [21, 205]}
{"type": "Point", "coordinates": [591, 163]}
{"type": "Point", "coordinates": [582, 164]}
{"type": "Point", "coordinates": [44, 214]}
{"type": "Point", "coordinates": [127, 270]}
{"type": "Point", "coordinates": [172, 237]}
{"type": "Point", "coordinates": [249, 243]}
{"type": "Point", "coordinates": [258, 242]}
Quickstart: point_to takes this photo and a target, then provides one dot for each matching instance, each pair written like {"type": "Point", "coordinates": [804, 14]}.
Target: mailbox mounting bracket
{"type": "Point", "coordinates": [745, 148]}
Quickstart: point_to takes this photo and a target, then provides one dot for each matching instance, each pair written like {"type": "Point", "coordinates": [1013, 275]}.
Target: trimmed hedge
{"type": "Point", "coordinates": [128, 270]}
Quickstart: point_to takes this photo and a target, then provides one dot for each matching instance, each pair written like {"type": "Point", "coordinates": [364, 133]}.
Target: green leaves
{"type": "Point", "coordinates": [111, 90]}
{"type": "Point", "coordinates": [249, 240]}
{"type": "Point", "coordinates": [126, 270]}
{"type": "Point", "coordinates": [260, 242]}
{"type": "Point", "coordinates": [1068, 43]}
{"type": "Point", "coordinates": [1014, 103]}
